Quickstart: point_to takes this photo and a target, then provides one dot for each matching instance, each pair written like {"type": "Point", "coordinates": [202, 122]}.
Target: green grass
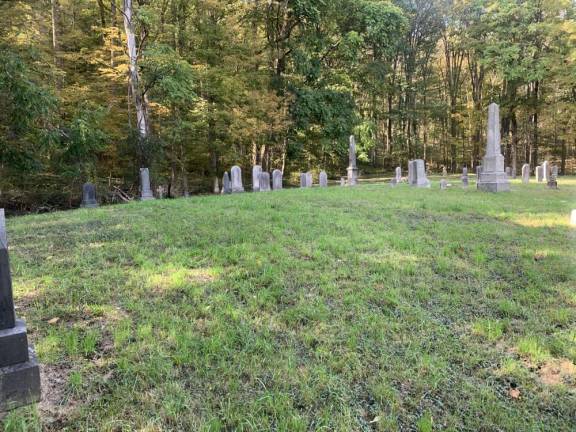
{"type": "Point", "coordinates": [372, 308]}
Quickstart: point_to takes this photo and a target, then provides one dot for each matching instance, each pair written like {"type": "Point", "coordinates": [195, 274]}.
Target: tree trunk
{"type": "Point", "coordinates": [137, 93]}
{"type": "Point", "coordinates": [55, 5]}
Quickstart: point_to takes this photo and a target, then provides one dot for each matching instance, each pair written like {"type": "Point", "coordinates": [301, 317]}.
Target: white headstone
{"type": "Point", "coordinates": [419, 178]}
{"type": "Point", "coordinates": [323, 179]}
{"type": "Point", "coordinates": [398, 174]}
{"type": "Point", "coordinates": [410, 173]}
{"type": "Point", "coordinates": [545, 171]}
{"type": "Point", "coordinates": [526, 173]}
{"type": "Point", "coordinates": [342, 181]}
{"type": "Point", "coordinates": [256, 171]}
{"type": "Point", "coordinates": [216, 189]}
{"type": "Point", "coordinates": [264, 182]}
{"type": "Point", "coordinates": [539, 174]}
{"type": "Point", "coordinates": [352, 168]}
{"type": "Point", "coordinates": [277, 179]}
{"type": "Point", "coordinates": [237, 179]}
{"type": "Point", "coordinates": [309, 180]}
{"type": "Point", "coordinates": [493, 178]}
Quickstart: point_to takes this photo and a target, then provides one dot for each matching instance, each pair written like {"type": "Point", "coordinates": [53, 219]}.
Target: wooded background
{"type": "Point", "coordinates": [91, 90]}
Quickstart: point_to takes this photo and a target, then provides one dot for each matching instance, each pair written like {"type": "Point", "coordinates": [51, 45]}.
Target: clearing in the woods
{"type": "Point", "coordinates": [345, 309]}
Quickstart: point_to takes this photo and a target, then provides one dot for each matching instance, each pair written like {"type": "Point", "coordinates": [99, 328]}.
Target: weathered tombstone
{"type": "Point", "coordinates": [256, 171]}
{"type": "Point", "coordinates": [553, 178]}
{"type": "Point", "coordinates": [443, 184]}
{"type": "Point", "coordinates": [526, 173]}
{"type": "Point", "coordinates": [145, 191]}
{"type": "Point", "coordinates": [539, 174]}
{"type": "Point", "coordinates": [352, 168]}
{"type": "Point", "coordinates": [323, 179]}
{"type": "Point", "coordinates": [419, 174]}
{"type": "Point", "coordinates": [264, 182]}
{"type": "Point", "coordinates": [226, 184]}
{"type": "Point", "coordinates": [309, 180]}
{"type": "Point", "coordinates": [19, 371]}
{"type": "Point", "coordinates": [303, 180]}
{"type": "Point", "coordinates": [89, 196]}
{"type": "Point", "coordinates": [573, 218]}
{"type": "Point", "coordinates": [545, 171]}
{"type": "Point", "coordinates": [410, 172]}
{"type": "Point", "coordinates": [508, 172]}
{"type": "Point", "coordinates": [398, 175]}
{"type": "Point", "coordinates": [444, 172]}
{"type": "Point", "coordinates": [277, 179]}
{"type": "Point", "coordinates": [216, 189]}
{"type": "Point", "coordinates": [493, 178]}
{"type": "Point", "coordinates": [464, 177]}
{"type": "Point", "coordinates": [237, 179]}
{"type": "Point", "coordinates": [342, 181]}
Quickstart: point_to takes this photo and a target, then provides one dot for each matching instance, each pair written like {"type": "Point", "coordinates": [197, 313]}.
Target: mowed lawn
{"type": "Point", "coordinates": [342, 309]}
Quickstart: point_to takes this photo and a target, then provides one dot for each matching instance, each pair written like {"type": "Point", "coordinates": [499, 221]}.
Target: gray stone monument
{"type": "Point", "coordinates": [552, 182]}
{"type": "Point", "coordinates": [419, 178]}
{"type": "Point", "coordinates": [352, 168]}
{"type": "Point", "coordinates": [216, 189]}
{"type": "Point", "coordinates": [545, 171]}
{"type": "Point", "coordinates": [237, 179]}
{"type": "Point", "coordinates": [410, 172]}
{"type": "Point", "coordinates": [309, 179]}
{"type": "Point", "coordinates": [464, 177]}
{"type": "Point", "coordinates": [19, 371]}
{"type": "Point", "coordinates": [277, 180]}
{"type": "Point", "coordinates": [342, 181]}
{"type": "Point", "coordinates": [398, 175]}
{"type": "Point", "coordinates": [526, 173]}
{"type": "Point", "coordinates": [323, 179]}
{"type": "Point", "coordinates": [443, 184]}
{"type": "Point", "coordinates": [226, 184]}
{"type": "Point", "coordinates": [89, 196]}
{"type": "Point", "coordinates": [264, 182]}
{"type": "Point", "coordinates": [303, 181]}
{"type": "Point", "coordinates": [493, 178]}
{"type": "Point", "coordinates": [145, 191]}
{"type": "Point", "coordinates": [539, 174]}
{"type": "Point", "coordinates": [256, 171]}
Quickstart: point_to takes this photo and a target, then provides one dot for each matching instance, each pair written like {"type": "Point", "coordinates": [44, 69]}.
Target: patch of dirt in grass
{"type": "Point", "coordinates": [558, 371]}
{"type": "Point", "coordinates": [55, 404]}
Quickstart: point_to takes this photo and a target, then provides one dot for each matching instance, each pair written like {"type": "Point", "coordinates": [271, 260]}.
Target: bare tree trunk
{"type": "Point", "coordinates": [137, 93]}
{"type": "Point", "coordinates": [55, 31]}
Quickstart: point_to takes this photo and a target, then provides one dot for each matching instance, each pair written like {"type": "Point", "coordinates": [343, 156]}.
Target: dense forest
{"type": "Point", "coordinates": [92, 90]}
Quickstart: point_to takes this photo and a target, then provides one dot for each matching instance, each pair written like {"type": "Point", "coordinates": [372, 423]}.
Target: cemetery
{"type": "Point", "coordinates": [288, 216]}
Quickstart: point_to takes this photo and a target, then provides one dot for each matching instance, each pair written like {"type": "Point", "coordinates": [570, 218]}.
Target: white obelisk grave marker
{"type": "Point", "coordinates": [493, 178]}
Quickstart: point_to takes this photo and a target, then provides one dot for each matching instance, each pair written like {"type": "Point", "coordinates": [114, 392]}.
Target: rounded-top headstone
{"type": "Point", "coordinates": [323, 179]}
{"type": "Point", "coordinates": [89, 196]}
{"type": "Point", "coordinates": [256, 171]}
{"type": "Point", "coordinates": [237, 186]}
{"type": "Point", "coordinates": [277, 179]}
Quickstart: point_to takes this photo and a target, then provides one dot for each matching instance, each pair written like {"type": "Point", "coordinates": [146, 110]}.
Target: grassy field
{"type": "Point", "coordinates": [364, 309]}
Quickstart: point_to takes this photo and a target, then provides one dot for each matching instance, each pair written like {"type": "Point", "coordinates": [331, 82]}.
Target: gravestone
{"type": "Point", "coordinates": [398, 175]}
{"type": "Point", "coordinates": [342, 181]}
{"type": "Point", "coordinates": [539, 174]}
{"type": "Point", "coordinates": [545, 171]}
{"type": "Point", "coordinates": [89, 196]}
{"type": "Point", "coordinates": [264, 182]}
{"type": "Point", "coordinates": [277, 179]}
{"type": "Point", "coordinates": [226, 184]}
{"type": "Point", "coordinates": [19, 371]}
{"type": "Point", "coordinates": [444, 172]}
{"type": "Point", "coordinates": [216, 189]}
{"type": "Point", "coordinates": [323, 179]}
{"type": "Point", "coordinates": [303, 180]}
{"type": "Point", "coordinates": [464, 177]}
{"type": "Point", "coordinates": [145, 191]}
{"type": "Point", "coordinates": [526, 173]}
{"type": "Point", "coordinates": [237, 179]}
{"type": "Point", "coordinates": [352, 168]}
{"type": "Point", "coordinates": [419, 174]}
{"type": "Point", "coordinates": [410, 172]}
{"type": "Point", "coordinates": [309, 180]}
{"type": "Point", "coordinates": [493, 178]}
{"type": "Point", "coordinates": [552, 182]}
{"type": "Point", "coordinates": [443, 184]}
{"type": "Point", "coordinates": [256, 171]}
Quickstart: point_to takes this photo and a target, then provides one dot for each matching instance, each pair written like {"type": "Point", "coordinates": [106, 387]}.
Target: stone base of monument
{"type": "Point", "coordinates": [20, 384]}
{"type": "Point", "coordinates": [14, 345]}
{"type": "Point", "coordinates": [352, 176]}
{"type": "Point", "coordinates": [89, 204]}
{"type": "Point", "coordinates": [147, 197]}
{"type": "Point", "coordinates": [493, 182]}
